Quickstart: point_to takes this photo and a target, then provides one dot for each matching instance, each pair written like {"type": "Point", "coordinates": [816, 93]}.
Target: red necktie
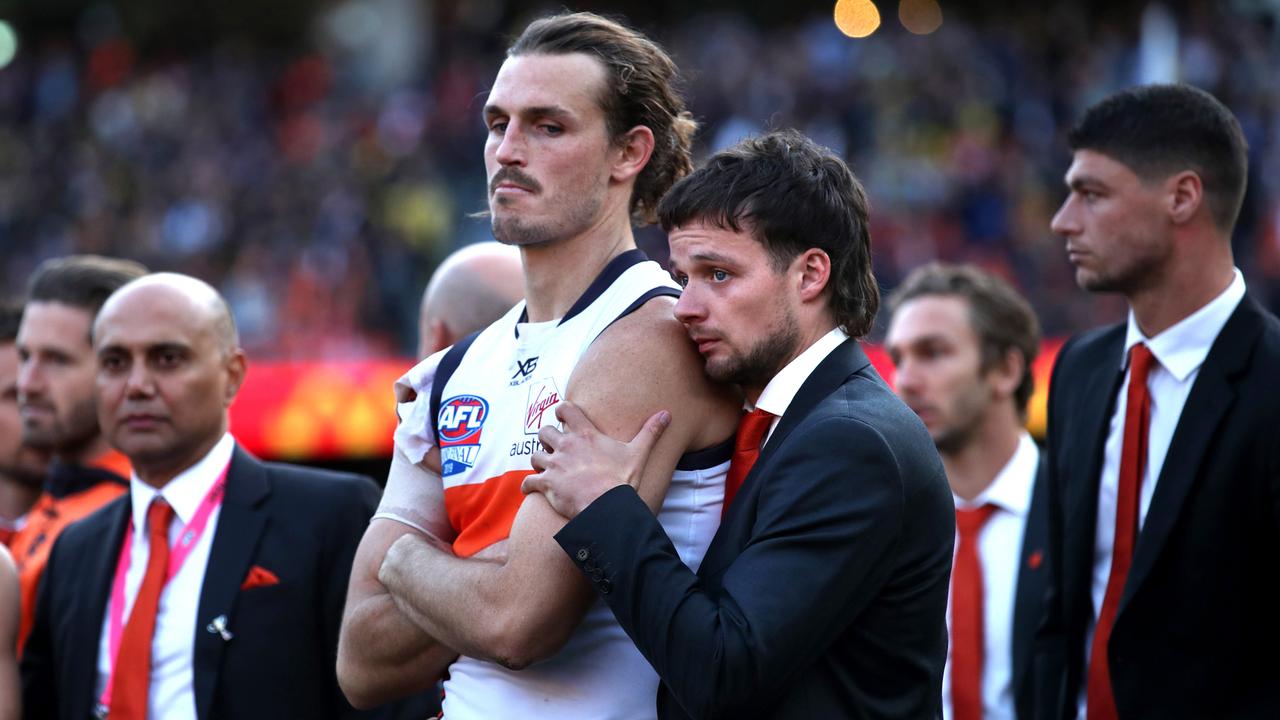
{"type": "Point", "coordinates": [1101, 703]}
{"type": "Point", "coordinates": [967, 636]}
{"type": "Point", "coordinates": [746, 448]}
{"type": "Point", "coordinates": [133, 661]}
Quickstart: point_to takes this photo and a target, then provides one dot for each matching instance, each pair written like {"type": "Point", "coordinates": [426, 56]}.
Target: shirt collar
{"type": "Point", "coordinates": [782, 388]}
{"type": "Point", "coordinates": [187, 489]}
{"type": "Point", "coordinates": [1182, 348]}
{"type": "Point", "coordinates": [1011, 489]}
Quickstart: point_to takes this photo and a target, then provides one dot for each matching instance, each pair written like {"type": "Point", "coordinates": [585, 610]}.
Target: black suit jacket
{"type": "Point", "coordinates": [303, 525]}
{"type": "Point", "coordinates": [1028, 602]}
{"type": "Point", "coordinates": [824, 592]}
{"type": "Point", "coordinates": [1196, 632]}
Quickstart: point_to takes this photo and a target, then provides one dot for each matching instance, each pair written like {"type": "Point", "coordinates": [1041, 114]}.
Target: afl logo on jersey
{"type": "Point", "coordinates": [459, 424]}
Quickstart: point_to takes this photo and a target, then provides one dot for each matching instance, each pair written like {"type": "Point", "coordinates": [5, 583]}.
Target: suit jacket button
{"type": "Point", "coordinates": [583, 554]}
{"type": "Point", "coordinates": [605, 587]}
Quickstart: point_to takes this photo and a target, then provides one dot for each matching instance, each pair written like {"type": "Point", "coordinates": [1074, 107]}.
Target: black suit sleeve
{"type": "Point", "coordinates": [1048, 665]}
{"type": "Point", "coordinates": [825, 526]}
{"type": "Point", "coordinates": [358, 502]}
{"type": "Point", "coordinates": [38, 665]}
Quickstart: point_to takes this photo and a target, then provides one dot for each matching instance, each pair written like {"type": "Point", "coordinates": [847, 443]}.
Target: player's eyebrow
{"type": "Point", "coordinates": [553, 112]}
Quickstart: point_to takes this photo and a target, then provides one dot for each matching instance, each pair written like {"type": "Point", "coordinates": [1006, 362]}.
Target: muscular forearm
{"type": "Point", "coordinates": [513, 610]}
{"type": "Point", "coordinates": [383, 656]}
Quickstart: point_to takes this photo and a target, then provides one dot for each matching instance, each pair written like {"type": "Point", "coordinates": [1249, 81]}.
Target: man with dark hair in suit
{"type": "Point", "coordinates": [214, 587]}
{"type": "Point", "coordinates": [963, 342]}
{"type": "Point", "coordinates": [1164, 431]}
{"type": "Point", "coordinates": [56, 398]}
{"type": "Point", "coordinates": [824, 591]}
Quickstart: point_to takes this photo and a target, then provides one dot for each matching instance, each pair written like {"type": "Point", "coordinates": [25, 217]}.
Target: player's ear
{"type": "Point", "coordinates": [632, 150]}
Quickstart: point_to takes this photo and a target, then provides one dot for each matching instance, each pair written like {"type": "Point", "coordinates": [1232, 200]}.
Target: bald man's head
{"type": "Point", "coordinates": [169, 365]}
{"type": "Point", "coordinates": [193, 294]}
{"type": "Point", "coordinates": [471, 289]}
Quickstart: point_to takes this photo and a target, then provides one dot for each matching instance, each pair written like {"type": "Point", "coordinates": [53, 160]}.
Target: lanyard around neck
{"type": "Point", "coordinates": [178, 553]}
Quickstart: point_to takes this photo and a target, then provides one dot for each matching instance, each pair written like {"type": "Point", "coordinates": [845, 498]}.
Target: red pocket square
{"type": "Point", "coordinates": [259, 577]}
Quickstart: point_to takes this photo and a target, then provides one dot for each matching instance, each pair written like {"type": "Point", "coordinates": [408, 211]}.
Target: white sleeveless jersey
{"type": "Point", "coordinates": [491, 407]}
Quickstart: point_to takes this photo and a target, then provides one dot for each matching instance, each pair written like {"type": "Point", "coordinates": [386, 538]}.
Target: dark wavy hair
{"type": "Point", "coordinates": [792, 195]}
{"type": "Point", "coordinates": [641, 89]}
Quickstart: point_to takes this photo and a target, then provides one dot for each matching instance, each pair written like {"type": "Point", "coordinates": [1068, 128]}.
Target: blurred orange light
{"type": "Point", "coordinates": [920, 16]}
{"type": "Point", "coordinates": [857, 18]}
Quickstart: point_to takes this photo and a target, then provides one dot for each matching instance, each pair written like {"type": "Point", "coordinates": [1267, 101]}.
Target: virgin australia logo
{"type": "Point", "coordinates": [543, 396]}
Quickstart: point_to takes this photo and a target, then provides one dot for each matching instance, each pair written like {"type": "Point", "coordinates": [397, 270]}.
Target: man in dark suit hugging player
{"type": "Point", "coordinates": [823, 593]}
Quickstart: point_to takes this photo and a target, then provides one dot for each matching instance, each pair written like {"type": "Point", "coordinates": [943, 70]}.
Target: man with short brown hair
{"type": "Point", "coordinates": [22, 467]}
{"type": "Point", "coordinates": [963, 342]}
{"type": "Point", "coordinates": [1164, 430]}
{"type": "Point", "coordinates": [56, 398]}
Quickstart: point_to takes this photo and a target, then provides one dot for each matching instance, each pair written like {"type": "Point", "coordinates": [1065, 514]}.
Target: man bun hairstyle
{"type": "Point", "coordinates": [792, 195]}
{"type": "Point", "coordinates": [1159, 130]}
{"type": "Point", "coordinates": [641, 89]}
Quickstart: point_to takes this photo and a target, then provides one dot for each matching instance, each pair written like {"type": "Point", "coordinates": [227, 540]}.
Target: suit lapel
{"type": "Point", "coordinates": [1211, 396]}
{"type": "Point", "coordinates": [239, 527]}
{"type": "Point", "coordinates": [1090, 425]}
{"type": "Point", "coordinates": [98, 568]}
{"type": "Point", "coordinates": [845, 360]}
{"type": "Point", "coordinates": [1032, 576]}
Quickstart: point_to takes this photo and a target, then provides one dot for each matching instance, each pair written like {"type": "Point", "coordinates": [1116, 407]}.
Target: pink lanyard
{"type": "Point", "coordinates": [178, 553]}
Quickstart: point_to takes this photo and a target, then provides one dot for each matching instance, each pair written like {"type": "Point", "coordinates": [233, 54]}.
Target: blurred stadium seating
{"type": "Point", "coordinates": [315, 160]}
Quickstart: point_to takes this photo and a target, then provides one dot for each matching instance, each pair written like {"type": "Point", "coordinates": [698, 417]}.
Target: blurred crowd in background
{"type": "Point", "coordinates": [317, 182]}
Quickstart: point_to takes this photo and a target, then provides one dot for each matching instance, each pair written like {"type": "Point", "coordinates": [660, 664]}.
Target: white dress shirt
{"type": "Point", "coordinates": [1179, 352]}
{"type": "Point", "coordinates": [999, 554]}
{"type": "Point", "coordinates": [782, 388]}
{"type": "Point", "coordinates": [171, 692]}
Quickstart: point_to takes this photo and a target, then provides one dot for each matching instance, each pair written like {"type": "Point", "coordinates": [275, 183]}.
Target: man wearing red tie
{"type": "Point", "coordinates": [1164, 431]}
{"type": "Point", "coordinates": [963, 342]}
{"type": "Point", "coordinates": [823, 593]}
{"type": "Point", "coordinates": [214, 587]}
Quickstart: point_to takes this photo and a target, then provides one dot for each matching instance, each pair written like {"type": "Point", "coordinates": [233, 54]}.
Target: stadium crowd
{"type": "Point", "coordinates": [318, 198]}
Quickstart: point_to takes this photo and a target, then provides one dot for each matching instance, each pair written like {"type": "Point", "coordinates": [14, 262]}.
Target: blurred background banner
{"type": "Point", "coordinates": [315, 159]}
{"type": "Point", "coordinates": [342, 410]}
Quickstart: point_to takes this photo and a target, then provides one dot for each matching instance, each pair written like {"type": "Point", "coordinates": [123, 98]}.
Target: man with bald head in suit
{"type": "Point", "coordinates": [469, 290]}
{"type": "Point", "coordinates": [214, 587]}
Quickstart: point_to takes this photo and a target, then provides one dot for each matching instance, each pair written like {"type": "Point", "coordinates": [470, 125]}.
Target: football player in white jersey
{"type": "Point", "coordinates": [586, 133]}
